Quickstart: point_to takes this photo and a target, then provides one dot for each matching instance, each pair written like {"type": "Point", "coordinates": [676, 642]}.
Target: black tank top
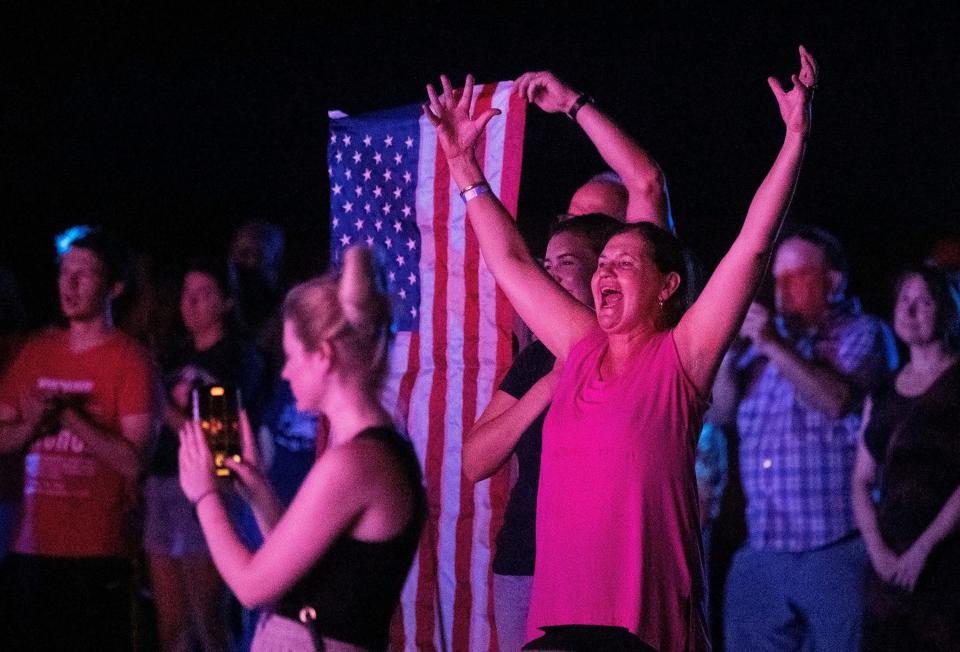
{"type": "Point", "coordinates": [354, 588]}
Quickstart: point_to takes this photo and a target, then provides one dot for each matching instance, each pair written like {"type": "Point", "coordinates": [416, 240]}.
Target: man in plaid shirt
{"type": "Point", "coordinates": [797, 583]}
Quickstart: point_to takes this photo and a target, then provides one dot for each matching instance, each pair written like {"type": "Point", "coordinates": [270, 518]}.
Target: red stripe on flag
{"type": "Point", "coordinates": [398, 636]}
{"type": "Point", "coordinates": [463, 597]}
{"type": "Point", "coordinates": [427, 583]}
{"type": "Point", "coordinates": [409, 379]}
{"type": "Point", "coordinates": [513, 153]}
{"type": "Point", "coordinates": [509, 194]}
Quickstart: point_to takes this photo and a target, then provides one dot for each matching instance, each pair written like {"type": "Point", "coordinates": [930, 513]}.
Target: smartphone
{"type": "Point", "coordinates": [216, 408]}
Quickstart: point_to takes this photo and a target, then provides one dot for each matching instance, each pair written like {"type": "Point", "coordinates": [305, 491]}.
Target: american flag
{"type": "Point", "coordinates": [391, 190]}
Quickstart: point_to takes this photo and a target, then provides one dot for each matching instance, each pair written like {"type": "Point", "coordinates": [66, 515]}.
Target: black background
{"type": "Point", "coordinates": [171, 125]}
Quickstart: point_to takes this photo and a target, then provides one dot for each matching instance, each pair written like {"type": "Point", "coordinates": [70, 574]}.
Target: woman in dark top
{"type": "Point", "coordinates": [187, 589]}
{"type": "Point", "coordinates": [911, 443]}
{"type": "Point", "coordinates": [333, 564]}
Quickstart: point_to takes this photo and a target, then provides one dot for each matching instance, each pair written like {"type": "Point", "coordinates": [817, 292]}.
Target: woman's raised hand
{"type": "Point", "coordinates": [197, 478]}
{"type": "Point", "coordinates": [546, 90]}
{"type": "Point", "coordinates": [449, 112]}
{"type": "Point", "coordinates": [795, 103]}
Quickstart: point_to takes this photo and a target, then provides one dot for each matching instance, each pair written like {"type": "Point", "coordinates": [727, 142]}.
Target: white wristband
{"type": "Point", "coordinates": [477, 189]}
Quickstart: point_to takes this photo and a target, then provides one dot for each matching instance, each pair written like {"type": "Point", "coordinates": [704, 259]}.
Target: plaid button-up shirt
{"type": "Point", "coordinates": [795, 461]}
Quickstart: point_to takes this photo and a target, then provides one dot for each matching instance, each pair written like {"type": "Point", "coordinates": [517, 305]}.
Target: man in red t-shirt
{"type": "Point", "coordinates": [81, 410]}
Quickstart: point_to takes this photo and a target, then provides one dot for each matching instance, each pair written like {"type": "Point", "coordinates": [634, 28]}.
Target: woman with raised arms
{"type": "Point", "coordinates": [618, 543]}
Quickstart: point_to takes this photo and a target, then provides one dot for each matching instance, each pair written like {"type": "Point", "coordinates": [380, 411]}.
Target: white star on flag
{"type": "Point", "coordinates": [347, 207]}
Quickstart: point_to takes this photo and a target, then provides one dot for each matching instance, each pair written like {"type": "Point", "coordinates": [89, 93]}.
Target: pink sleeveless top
{"type": "Point", "coordinates": [618, 535]}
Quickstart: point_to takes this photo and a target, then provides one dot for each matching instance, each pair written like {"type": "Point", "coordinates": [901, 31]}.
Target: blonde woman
{"type": "Point", "coordinates": [332, 566]}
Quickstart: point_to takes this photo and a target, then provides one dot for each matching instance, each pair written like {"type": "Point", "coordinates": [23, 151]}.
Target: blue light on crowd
{"type": "Point", "coordinates": [65, 239]}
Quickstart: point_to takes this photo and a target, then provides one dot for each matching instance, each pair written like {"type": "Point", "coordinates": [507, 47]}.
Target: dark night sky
{"type": "Point", "coordinates": [172, 126]}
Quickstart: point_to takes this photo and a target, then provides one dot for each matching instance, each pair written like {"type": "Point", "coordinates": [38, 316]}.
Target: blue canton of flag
{"type": "Point", "coordinates": [372, 166]}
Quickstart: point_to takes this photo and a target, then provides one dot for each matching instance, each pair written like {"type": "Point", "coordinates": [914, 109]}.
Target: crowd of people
{"type": "Point", "coordinates": [647, 388]}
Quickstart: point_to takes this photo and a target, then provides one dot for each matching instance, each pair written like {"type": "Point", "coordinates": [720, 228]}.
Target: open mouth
{"type": "Point", "coordinates": [610, 297]}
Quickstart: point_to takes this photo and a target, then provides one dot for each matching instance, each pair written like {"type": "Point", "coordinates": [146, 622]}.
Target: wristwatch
{"type": "Point", "coordinates": [578, 104]}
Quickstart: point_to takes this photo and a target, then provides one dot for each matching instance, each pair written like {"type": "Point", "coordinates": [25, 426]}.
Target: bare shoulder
{"type": "Point", "coordinates": [364, 459]}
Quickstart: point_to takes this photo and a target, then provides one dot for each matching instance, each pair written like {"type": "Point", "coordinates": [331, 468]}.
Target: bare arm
{"type": "Point", "coordinates": [864, 511]}
{"type": "Point", "coordinates": [19, 426]}
{"type": "Point", "coordinates": [332, 497]}
{"type": "Point", "coordinates": [818, 385]}
{"type": "Point", "coordinates": [646, 188]}
{"type": "Point", "coordinates": [125, 451]}
{"type": "Point", "coordinates": [14, 437]}
{"type": "Point", "coordinates": [494, 436]}
{"type": "Point", "coordinates": [707, 328]}
{"type": "Point", "coordinates": [557, 319]}
{"type": "Point", "coordinates": [251, 482]}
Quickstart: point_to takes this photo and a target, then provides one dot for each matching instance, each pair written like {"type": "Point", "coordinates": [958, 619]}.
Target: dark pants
{"type": "Point", "coordinates": [927, 619]}
{"type": "Point", "coordinates": [53, 604]}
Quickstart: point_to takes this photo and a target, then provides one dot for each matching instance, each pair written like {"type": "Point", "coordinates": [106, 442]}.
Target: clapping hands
{"type": "Point", "coordinates": [795, 103]}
